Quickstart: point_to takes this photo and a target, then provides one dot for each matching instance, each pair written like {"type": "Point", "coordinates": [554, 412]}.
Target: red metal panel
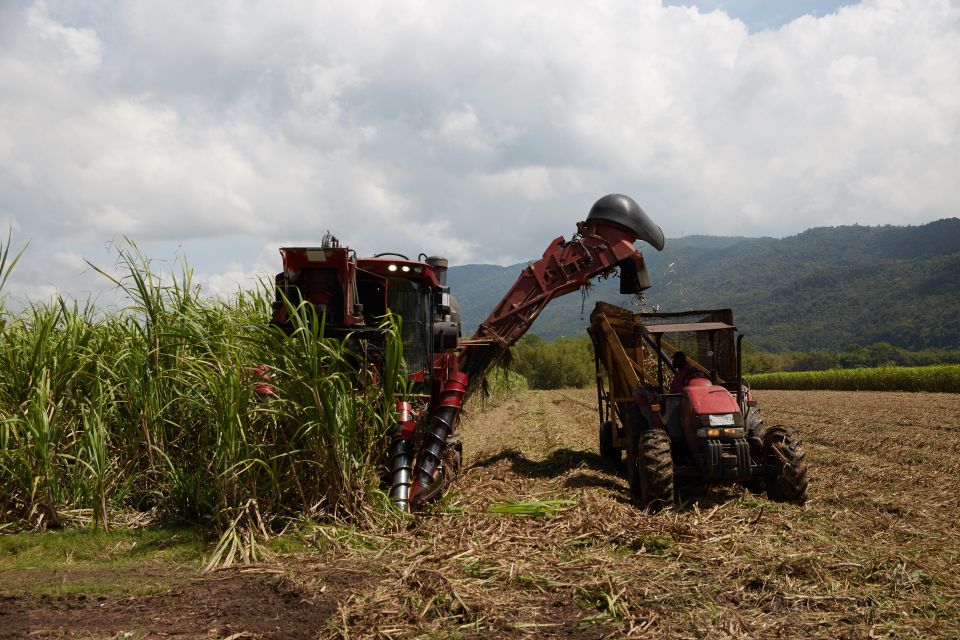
{"type": "Point", "coordinates": [712, 399]}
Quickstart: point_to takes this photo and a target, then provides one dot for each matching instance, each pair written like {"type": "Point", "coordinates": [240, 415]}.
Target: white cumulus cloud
{"type": "Point", "coordinates": [476, 130]}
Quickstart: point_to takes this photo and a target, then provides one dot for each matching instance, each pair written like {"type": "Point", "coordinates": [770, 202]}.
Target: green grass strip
{"type": "Point", "coordinates": [938, 378]}
{"type": "Point", "coordinates": [548, 508]}
{"type": "Point", "coordinates": [93, 549]}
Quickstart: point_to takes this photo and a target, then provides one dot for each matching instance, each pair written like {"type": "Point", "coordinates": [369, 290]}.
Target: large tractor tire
{"type": "Point", "coordinates": [653, 473]}
{"type": "Point", "coordinates": [607, 450]}
{"type": "Point", "coordinates": [783, 451]}
{"type": "Point", "coordinates": [755, 429]}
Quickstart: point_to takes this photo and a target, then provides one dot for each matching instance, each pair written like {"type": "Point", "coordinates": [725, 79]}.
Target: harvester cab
{"type": "Point", "coordinates": [354, 294]}
{"type": "Point", "coordinates": [707, 429]}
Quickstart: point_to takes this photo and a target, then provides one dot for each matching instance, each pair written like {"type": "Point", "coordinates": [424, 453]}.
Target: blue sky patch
{"type": "Point", "coordinates": [765, 14]}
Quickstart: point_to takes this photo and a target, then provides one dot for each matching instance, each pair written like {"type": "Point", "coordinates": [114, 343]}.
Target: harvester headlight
{"type": "Point", "coordinates": [734, 432]}
{"type": "Point", "coordinates": [709, 433]}
{"type": "Point", "coordinates": [721, 420]}
{"type": "Point", "coordinates": [405, 268]}
{"type": "Point", "coordinates": [392, 267]}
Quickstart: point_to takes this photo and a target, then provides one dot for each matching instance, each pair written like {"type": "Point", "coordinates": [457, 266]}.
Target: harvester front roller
{"type": "Point", "coordinates": [401, 456]}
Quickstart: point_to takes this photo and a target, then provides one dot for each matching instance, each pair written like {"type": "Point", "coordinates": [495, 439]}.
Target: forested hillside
{"type": "Point", "coordinates": [825, 288]}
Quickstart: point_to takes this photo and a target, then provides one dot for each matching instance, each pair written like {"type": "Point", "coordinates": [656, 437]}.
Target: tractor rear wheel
{"type": "Point", "coordinates": [783, 451]}
{"type": "Point", "coordinates": [607, 450]}
{"type": "Point", "coordinates": [654, 470]}
{"type": "Point", "coordinates": [755, 429]}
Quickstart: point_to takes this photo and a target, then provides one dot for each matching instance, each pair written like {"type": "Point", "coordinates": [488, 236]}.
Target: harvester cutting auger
{"type": "Point", "coordinates": [354, 292]}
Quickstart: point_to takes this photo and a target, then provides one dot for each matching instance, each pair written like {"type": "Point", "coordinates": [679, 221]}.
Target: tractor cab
{"type": "Point", "coordinates": [704, 414]}
{"type": "Point", "coordinates": [677, 374]}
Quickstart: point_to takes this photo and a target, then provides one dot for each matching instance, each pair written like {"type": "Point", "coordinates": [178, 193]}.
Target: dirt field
{"type": "Point", "coordinates": [875, 552]}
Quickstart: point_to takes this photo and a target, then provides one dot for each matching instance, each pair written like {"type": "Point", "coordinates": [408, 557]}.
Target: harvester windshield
{"type": "Point", "coordinates": [411, 301]}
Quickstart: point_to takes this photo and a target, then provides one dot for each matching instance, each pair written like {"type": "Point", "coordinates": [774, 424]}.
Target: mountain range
{"type": "Point", "coordinates": [825, 288]}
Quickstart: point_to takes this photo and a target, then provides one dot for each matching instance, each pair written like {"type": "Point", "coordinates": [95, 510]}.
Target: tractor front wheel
{"type": "Point", "coordinates": [783, 452]}
{"type": "Point", "coordinates": [653, 470]}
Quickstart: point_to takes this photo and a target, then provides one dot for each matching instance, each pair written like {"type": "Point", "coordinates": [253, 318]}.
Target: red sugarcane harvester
{"type": "Point", "coordinates": [354, 293]}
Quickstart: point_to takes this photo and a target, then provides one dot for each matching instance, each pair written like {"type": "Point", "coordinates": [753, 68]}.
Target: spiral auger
{"type": "Point", "coordinates": [442, 425]}
{"type": "Point", "coordinates": [401, 457]}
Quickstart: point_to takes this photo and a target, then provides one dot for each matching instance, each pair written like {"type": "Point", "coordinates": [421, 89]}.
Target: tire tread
{"type": "Point", "coordinates": [783, 450]}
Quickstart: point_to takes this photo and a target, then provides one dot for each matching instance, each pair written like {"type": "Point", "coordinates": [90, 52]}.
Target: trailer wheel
{"type": "Point", "coordinates": [607, 450]}
{"type": "Point", "coordinates": [653, 470]}
{"type": "Point", "coordinates": [783, 452]}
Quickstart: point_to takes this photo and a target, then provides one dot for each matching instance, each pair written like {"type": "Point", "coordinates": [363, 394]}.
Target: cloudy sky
{"type": "Point", "coordinates": [476, 130]}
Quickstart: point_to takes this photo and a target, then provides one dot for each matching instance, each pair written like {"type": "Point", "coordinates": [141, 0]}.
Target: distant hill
{"type": "Point", "coordinates": [825, 288]}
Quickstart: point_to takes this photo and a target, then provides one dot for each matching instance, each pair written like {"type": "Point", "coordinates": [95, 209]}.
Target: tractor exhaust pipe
{"type": "Point", "coordinates": [435, 441]}
{"type": "Point", "coordinates": [740, 373]}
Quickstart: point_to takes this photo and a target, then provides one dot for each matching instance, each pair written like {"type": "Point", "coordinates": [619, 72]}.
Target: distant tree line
{"type": "Point", "coordinates": [568, 362]}
{"type": "Point", "coordinates": [561, 363]}
{"type": "Point", "coordinates": [879, 354]}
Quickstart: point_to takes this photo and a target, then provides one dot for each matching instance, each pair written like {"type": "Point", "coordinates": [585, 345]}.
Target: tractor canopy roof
{"type": "Point", "coordinates": [689, 326]}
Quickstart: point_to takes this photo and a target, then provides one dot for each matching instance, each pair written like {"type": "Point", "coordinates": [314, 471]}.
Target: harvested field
{"type": "Point", "coordinates": [873, 554]}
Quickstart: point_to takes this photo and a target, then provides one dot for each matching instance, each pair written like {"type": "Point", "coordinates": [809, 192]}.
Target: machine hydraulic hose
{"type": "Point", "coordinates": [442, 424]}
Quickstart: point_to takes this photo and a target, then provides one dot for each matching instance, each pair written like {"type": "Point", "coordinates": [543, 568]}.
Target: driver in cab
{"type": "Point", "coordinates": [684, 372]}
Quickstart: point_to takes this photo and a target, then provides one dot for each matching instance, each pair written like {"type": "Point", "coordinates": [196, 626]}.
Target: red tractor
{"type": "Point", "coordinates": [354, 293]}
{"type": "Point", "coordinates": [681, 409]}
